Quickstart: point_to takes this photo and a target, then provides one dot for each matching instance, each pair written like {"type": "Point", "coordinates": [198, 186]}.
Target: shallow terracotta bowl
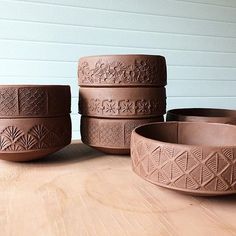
{"type": "Point", "coordinates": [192, 157]}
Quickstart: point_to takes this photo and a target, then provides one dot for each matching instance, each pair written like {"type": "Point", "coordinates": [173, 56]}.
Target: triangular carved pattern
{"type": "Point", "coordinates": [192, 169]}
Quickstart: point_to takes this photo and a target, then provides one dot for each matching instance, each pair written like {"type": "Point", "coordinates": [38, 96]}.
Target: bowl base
{"type": "Point", "coordinates": [28, 155]}
{"type": "Point", "coordinates": [113, 151]}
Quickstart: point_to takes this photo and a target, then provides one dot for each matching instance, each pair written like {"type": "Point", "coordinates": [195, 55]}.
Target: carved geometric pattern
{"type": "Point", "coordinates": [39, 136]}
{"type": "Point", "coordinates": [116, 72]}
{"type": "Point", "coordinates": [196, 168]}
{"type": "Point", "coordinates": [109, 133]}
{"type": "Point", "coordinates": [90, 131]}
{"type": "Point", "coordinates": [112, 134]}
{"type": "Point", "coordinates": [32, 101]}
{"type": "Point", "coordinates": [8, 101]}
{"type": "Point", "coordinates": [127, 107]}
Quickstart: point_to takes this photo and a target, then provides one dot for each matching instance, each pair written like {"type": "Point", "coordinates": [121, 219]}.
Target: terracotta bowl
{"type": "Point", "coordinates": [122, 70]}
{"type": "Point", "coordinates": [194, 158]}
{"type": "Point", "coordinates": [111, 136]}
{"type": "Point", "coordinates": [202, 115]}
{"type": "Point", "coordinates": [24, 139]}
{"type": "Point", "coordinates": [122, 102]}
{"type": "Point", "coordinates": [34, 100]}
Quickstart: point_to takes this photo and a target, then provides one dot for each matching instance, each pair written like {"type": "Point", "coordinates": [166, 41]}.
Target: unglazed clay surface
{"type": "Point", "coordinates": [212, 115]}
{"type": "Point", "coordinates": [110, 135]}
{"type": "Point", "coordinates": [122, 70]}
{"type": "Point", "coordinates": [34, 100]}
{"type": "Point", "coordinates": [187, 157]}
{"type": "Point", "coordinates": [122, 102]}
{"type": "Point", "coordinates": [31, 138]}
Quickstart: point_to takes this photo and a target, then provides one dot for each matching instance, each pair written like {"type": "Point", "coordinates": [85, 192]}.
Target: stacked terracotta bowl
{"type": "Point", "coordinates": [118, 93]}
{"type": "Point", "coordinates": [34, 120]}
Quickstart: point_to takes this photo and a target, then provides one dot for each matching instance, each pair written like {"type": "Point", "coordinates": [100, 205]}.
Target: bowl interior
{"type": "Point", "coordinates": [205, 112]}
{"type": "Point", "coordinates": [190, 133]}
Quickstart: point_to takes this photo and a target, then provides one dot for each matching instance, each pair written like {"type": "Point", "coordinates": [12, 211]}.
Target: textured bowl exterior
{"type": "Point", "coordinates": [122, 70]}
{"type": "Point", "coordinates": [210, 115]}
{"type": "Point", "coordinates": [24, 139]}
{"type": "Point", "coordinates": [193, 169]}
{"type": "Point", "coordinates": [34, 100]}
{"type": "Point", "coordinates": [110, 135]}
{"type": "Point", "coordinates": [122, 102]}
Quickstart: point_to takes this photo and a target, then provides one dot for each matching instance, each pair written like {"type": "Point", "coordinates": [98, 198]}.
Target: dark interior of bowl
{"type": "Point", "coordinates": [206, 112]}
{"type": "Point", "coordinates": [190, 133]}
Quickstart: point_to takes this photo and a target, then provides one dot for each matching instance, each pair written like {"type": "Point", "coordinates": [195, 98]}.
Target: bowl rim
{"type": "Point", "coordinates": [177, 112]}
{"type": "Point", "coordinates": [183, 145]}
{"type": "Point", "coordinates": [123, 55]}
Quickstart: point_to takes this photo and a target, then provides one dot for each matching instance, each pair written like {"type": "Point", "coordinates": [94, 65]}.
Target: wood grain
{"type": "Point", "coordinates": [79, 191]}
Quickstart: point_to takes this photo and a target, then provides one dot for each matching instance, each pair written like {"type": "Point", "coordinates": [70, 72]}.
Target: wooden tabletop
{"type": "Point", "coordinates": [80, 191]}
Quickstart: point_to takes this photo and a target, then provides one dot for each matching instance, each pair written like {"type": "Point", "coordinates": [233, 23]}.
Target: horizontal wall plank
{"type": "Point", "coordinates": [19, 70]}
{"type": "Point", "coordinates": [28, 11]}
{"type": "Point", "coordinates": [175, 88]}
{"type": "Point", "coordinates": [228, 3]}
{"type": "Point", "coordinates": [42, 40]}
{"type": "Point", "coordinates": [12, 29]}
{"type": "Point", "coordinates": [76, 135]}
{"type": "Point", "coordinates": [75, 120]}
{"type": "Point", "coordinates": [181, 88]}
{"type": "Point", "coordinates": [12, 49]}
{"type": "Point", "coordinates": [36, 80]}
{"type": "Point", "coordinates": [181, 9]}
{"type": "Point", "coordinates": [214, 102]}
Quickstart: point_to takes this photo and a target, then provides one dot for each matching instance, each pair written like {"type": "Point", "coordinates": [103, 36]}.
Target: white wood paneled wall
{"type": "Point", "coordinates": [41, 41]}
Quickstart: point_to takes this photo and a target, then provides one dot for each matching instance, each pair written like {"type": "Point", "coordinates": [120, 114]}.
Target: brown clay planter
{"type": "Point", "coordinates": [122, 102]}
{"type": "Point", "coordinates": [111, 136]}
{"type": "Point", "coordinates": [32, 138]}
{"type": "Point", "coordinates": [34, 100]}
{"type": "Point", "coordinates": [195, 158]}
{"type": "Point", "coordinates": [202, 115]}
{"type": "Point", "coordinates": [122, 70]}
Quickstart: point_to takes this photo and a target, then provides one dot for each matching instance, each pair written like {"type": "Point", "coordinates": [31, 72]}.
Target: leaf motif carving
{"type": "Point", "coordinates": [27, 141]}
{"type": "Point", "coordinates": [12, 133]}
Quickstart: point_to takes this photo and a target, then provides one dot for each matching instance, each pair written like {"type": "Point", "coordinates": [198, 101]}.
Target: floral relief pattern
{"type": "Point", "coordinates": [116, 72]}
{"type": "Point", "coordinates": [95, 106]}
{"type": "Point", "coordinates": [110, 107]}
{"type": "Point", "coordinates": [122, 107]}
{"type": "Point", "coordinates": [39, 136]}
{"type": "Point", "coordinates": [127, 107]}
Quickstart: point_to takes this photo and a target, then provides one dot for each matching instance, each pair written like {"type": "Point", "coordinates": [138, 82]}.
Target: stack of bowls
{"type": "Point", "coordinates": [118, 93]}
{"type": "Point", "coordinates": [34, 120]}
